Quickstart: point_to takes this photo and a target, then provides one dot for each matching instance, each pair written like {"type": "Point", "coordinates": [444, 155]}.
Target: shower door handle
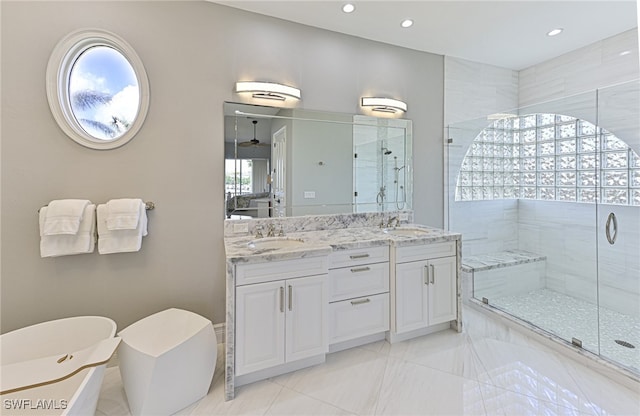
{"type": "Point", "coordinates": [611, 219]}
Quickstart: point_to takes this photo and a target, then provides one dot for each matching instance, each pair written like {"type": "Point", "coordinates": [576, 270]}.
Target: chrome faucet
{"type": "Point", "coordinates": [392, 221]}
{"type": "Point", "coordinates": [259, 229]}
{"type": "Point", "coordinates": [271, 230]}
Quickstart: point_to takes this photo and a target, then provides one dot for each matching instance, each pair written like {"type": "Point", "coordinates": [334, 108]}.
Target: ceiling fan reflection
{"type": "Point", "coordinates": [253, 142]}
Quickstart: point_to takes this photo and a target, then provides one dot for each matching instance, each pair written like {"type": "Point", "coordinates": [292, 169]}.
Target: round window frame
{"type": "Point", "coordinates": [61, 62]}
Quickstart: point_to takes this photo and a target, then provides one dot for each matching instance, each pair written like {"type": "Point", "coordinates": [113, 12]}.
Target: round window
{"type": "Point", "coordinates": [97, 89]}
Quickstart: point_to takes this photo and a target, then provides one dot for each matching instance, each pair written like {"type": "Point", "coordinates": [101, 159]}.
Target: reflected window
{"type": "Point", "coordinates": [549, 157]}
{"type": "Point", "coordinates": [238, 176]}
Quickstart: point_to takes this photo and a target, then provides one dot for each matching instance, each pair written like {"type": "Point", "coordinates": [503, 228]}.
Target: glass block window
{"type": "Point", "coordinates": [549, 157]}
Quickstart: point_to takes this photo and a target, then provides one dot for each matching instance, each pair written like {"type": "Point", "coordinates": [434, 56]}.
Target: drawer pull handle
{"type": "Point", "coordinates": [358, 256]}
{"type": "Point", "coordinates": [281, 299]}
{"type": "Point", "coordinates": [360, 302]}
{"type": "Point", "coordinates": [360, 269]}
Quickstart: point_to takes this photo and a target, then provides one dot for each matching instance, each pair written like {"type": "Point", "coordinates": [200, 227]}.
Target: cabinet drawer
{"type": "Point", "coordinates": [351, 282]}
{"type": "Point", "coordinates": [359, 317]}
{"type": "Point", "coordinates": [355, 257]}
{"type": "Point", "coordinates": [425, 251]}
{"type": "Point", "coordinates": [277, 270]}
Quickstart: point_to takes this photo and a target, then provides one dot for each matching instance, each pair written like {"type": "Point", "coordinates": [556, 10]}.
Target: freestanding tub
{"type": "Point", "coordinates": [76, 395]}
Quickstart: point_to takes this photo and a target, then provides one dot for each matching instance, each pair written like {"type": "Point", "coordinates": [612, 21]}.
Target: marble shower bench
{"type": "Point", "coordinates": [503, 273]}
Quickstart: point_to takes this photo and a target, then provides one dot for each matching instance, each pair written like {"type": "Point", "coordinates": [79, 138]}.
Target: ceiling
{"type": "Point", "coordinates": [509, 34]}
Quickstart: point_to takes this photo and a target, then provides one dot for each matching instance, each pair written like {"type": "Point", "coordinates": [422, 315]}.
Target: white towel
{"type": "Point", "coordinates": [64, 216]}
{"type": "Point", "coordinates": [66, 244]}
{"type": "Point", "coordinates": [123, 214]}
{"type": "Point", "coordinates": [120, 241]}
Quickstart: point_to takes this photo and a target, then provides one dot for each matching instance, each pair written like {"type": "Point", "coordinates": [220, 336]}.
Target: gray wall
{"type": "Point", "coordinates": [193, 53]}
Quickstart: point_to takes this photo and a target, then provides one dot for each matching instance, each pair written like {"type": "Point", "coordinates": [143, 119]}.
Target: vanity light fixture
{"type": "Point", "coordinates": [268, 90]}
{"type": "Point", "coordinates": [348, 8]}
{"type": "Point", "coordinates": [385, 105]}
{"type": "Point", "coordinates": [555, 32]}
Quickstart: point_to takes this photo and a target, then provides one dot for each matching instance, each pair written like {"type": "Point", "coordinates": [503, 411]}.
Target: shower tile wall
{"type": "Point", "coordinates": [487, 226]}
{"type": "Point", "coordinates": [565, 233]}
{"type": "Point", "coordinates": [474, 90]}
{"type": "Point", "coordinates": [595, 66]}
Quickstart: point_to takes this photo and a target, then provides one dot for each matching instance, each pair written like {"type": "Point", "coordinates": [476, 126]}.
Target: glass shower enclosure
{"type": "Point", "coordinates": [547, 198]}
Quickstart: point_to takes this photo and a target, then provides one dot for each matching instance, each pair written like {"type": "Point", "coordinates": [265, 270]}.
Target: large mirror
{"type": "Point", "coordinates": [290, 162]}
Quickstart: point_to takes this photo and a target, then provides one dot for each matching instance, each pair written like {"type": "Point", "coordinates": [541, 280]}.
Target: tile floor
{"type": "Point", "coordinates": [488, 369]}
{"type": "Point", "coordinates": [547, 309]}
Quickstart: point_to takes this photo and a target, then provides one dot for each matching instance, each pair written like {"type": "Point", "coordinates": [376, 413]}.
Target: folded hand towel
{"type": "Point", "coordinates": [64, 216]}
{"type": "Point", "coordinates": [120, 241]}
{"type": "Point", "coordinates": [123, 214]}
{"type": "Point", "coordinates": [66, 244]}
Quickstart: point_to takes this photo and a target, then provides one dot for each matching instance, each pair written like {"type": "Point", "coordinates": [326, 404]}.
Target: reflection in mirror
{"type": "Point", "coordinates": [289, 162]}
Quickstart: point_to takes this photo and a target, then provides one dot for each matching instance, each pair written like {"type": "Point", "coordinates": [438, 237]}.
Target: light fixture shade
{"type": "Point", "coordinates": [386, 105]}
{"type": "Point", "coordinates": [268, 90]}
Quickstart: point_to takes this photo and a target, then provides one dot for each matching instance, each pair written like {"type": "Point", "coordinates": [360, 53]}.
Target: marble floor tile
{"type": "Point", "coordinates": [490, 369]}
{"type": "Point", "coordinates": [447, 351]}
{"type": "Point", "coordinates": [413, 389]}
{"type": "Point", "coordinates": [502, 402]}
{"type": "Point", "coordinates": [530, 371]}
{"type": "Point", "coordinates": [290, 402]}
{"type": "Point", "coordinates": [349, 379]}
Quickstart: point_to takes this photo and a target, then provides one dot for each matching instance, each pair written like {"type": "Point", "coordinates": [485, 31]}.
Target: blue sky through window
{"type": "Point", "coordinates": [104, 92]}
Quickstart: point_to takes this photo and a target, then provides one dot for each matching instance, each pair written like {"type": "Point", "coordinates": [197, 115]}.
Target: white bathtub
{"type": "Point", "coordinates": [77, 395]}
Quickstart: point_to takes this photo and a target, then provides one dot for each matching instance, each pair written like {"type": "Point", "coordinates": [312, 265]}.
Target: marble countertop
{"type": "Point", "coordinates": [323, 242]}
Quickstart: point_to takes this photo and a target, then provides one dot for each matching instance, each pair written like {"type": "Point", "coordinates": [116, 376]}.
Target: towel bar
{"type": "Point", "coordinates": [148, 205]}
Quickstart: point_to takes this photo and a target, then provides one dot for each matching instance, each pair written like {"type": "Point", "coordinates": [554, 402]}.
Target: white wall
{"type": "Point", "coordinates": [586, 69]}
{"type": "Point", "coordinates": [194, 52]}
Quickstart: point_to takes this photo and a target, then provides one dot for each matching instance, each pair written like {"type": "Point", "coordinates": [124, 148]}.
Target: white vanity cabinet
{"type": "Point", "coordinates": [358, 294]}
{"type": "Point", "coordinates": [423, 286]}
{"type": "Point", "coordinates": [280, 313]}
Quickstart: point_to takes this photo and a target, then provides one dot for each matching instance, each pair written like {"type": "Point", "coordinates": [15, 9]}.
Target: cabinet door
{"type": "Point", "coordinates": [260, 318]}
{"type": "Point", "coordinates": [306, 323]}
{"type": "Point", "coordinates": [411, 296]}
{"type": "Point", "coordinates": [442, 290]}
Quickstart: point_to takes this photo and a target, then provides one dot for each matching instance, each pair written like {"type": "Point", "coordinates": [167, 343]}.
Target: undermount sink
{"type": "Point", "coordinates": [406, 231]}
{"type": "Point", "coordinates": [273, 243]}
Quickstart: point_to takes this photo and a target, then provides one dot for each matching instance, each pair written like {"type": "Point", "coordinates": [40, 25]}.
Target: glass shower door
{"type": "Point", "coordinates": [618, 224]}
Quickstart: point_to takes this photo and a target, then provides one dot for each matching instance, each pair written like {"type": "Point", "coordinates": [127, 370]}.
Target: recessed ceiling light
{"type": "Point", "coordinates": [348, 8]}
{"type": "Point", "coordinates": [407, 23]}
{"type": "Point", "coordinates": [623, 53]}
{"type": "Point", "coordinates": [555, 32]}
